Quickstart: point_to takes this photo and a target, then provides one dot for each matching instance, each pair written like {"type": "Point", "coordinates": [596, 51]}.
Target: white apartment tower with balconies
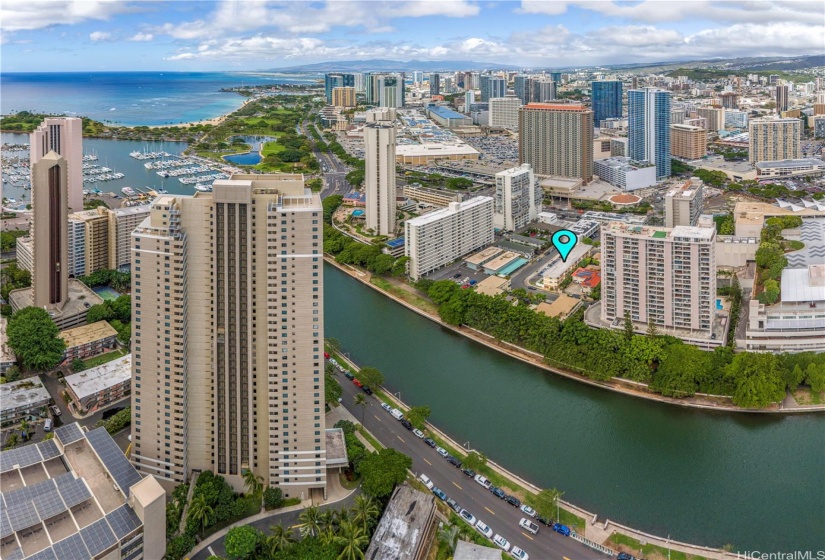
{"type": "Point", "coordinates": [518, 198]}
{"type": "Point", "coordinates": [379, 169]}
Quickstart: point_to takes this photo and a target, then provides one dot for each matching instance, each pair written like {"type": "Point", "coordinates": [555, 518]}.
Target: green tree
{"type": "Point", "coordinates": [352, 539]}
{"type": "Point", "coordinates": [99, 312]}
{"type": "Point", "coordinates": [381, 471]}
{"type": "Point", "coordinates": [652, 331]}
{"type": "Point", "coordinates": [333, 343]}
{"type": "Point", "coordinates": [33, 336]}
{"type": "Point", "coordinates": [241, 542]}
{"type": "Point", "coordinates": [365, 511]}
{"type": "Point", "coordinates": [13, 440]}
{"type": "Point", "coordinates": [757, 380]}
{"type": "Point", "coordinates": [361, 401]}
{"type": "Point", "coordinates": [78, 365]}
{"type": "Point", "coordinates": [12, 278]}
{"type": "Point", "coordinates": [254, 484]}
{"type": "Point", "coordinates": [770, 295]}
{"type": "Point", "coordinates": [280, 539]}
{"type": "Point", "coordinates": [310, 522]}
{"type": "Point", "coordinates": [418, 415]}
{"type": "Point", "coordinates": [371, 378]}
{"type": "Point", "coordinates": [200, 512]}
{"type": "Point", "coordinates": [628, 327]}
{"type": "Point", "coordinates": [546, 503]}
{"type": "Point", "coordinates": [273, 497]}
{"type": "Point", "coordinates": [815, 377]}
{"type": "Point", "coordinates": [13, 374]}
{"type": "Point", "coordinates": [332, 389]}
{"type": "Point", "coordinates": [475, 460]}
{"type": "Point", "coordinates": [793, 377]}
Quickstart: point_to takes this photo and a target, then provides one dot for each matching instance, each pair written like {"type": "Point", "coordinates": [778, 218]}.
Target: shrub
{"type": "Point", "coordinates": [273, 498]}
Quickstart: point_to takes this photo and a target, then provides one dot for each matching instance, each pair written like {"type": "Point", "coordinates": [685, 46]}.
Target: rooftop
{"type": "Point", "coordinates": [434, 149]}
{"type": "Point", "coordinates": [561, 307]}
{"type": "Point", "coordinates": [804, 285]}
{"type": "Point", "coordinates": [559, 268]}
{"type": "Point", "coordinates": [84, 334]}
{"type": "Point", "coordinates": [483, 256]}
{"type": "Point", "coordinates": [97, 379]}
{"type": "Point", "coordinates": [470, 551]}
{"type": "Point", "coordinates": [804, 162]}
{"type": "Point", "coordinates": [452, 208]}
{"type": "Point", "coordinates": [403, 527]}
{"type": "Point", "coordinates": [336, 448]}
{"type": "Point", "coordinates": [501, 261]}
{"type": "Point", "coordinates": [81, 297]}
{"type": "Point", "coordinates": [491, 286]}
{"type": "Point", "coordinates": [445, 112]}
{"type": "Point", "coordinates": [23, 393]}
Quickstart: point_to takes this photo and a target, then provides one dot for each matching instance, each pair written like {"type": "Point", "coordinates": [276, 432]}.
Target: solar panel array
{"type": "Point", "coordinates": [5, 524]}
{"type": "Point", "coordinates": [69, 433]}
{"type": "Point", "coordinates": [74, 491]}
{"type": "Point", "coordinates": [30, 505]}
{"type": "Point", "coordinates": [98, 536]}
{"type": "Point", "coordinates": [71, 547]}
{"type": "Point", "coordinates": [123, 521]}
{"type": "Point", "coordinates": [45, 554]}
{"type": "Point", "coordinates": [113, 459]}
{"type": "Point", "coordinates": [29, 455]}
{"type": "Point", "coordinates": [16, 554]}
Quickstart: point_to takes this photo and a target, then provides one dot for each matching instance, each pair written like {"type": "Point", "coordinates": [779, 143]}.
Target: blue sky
{"type": "Point", "coordinates": [90, 35]}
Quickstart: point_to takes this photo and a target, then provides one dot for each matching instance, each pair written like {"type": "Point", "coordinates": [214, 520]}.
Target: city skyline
{"type": "Point", "coordinates": [231, 35]}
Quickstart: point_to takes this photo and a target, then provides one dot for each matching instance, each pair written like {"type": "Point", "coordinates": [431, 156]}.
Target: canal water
{"type": "Point", "coordinates": [754, 481]}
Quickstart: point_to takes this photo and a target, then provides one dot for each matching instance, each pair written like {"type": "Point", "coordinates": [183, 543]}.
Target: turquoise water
{"type": "Point", "coordinates": [107, 293]}
{"type": "Point", "coordinates": [718, 304]}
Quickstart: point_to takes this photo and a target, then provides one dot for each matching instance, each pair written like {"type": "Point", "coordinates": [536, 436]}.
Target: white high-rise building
{"type": "Point", "coordinates": [518, 198]}
{"type": "Point", "coordinates": [379, 168]}
{"type": "Point", "coordinates": [666, 276]}
{"type": "Point", "coordinates": [683, 205]}
{"type": "Point", "coordinates": [64, 136]}
{"type": "Point", "coordinates": [227, 342]}
{"type": "Point", "coordinates": [504, 112]}
{"type": "Point", "coordinates": [440, 237]}
{"type": "Point", "coordinates": [469, 99]}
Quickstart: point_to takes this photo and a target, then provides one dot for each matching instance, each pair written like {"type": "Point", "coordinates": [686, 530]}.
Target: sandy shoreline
{"type": "Point", "coordinates": [214, 122]}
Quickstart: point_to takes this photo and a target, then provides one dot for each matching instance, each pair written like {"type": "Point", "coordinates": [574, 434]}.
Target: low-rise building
{"type": "Point", "coordinates": [7, 357]}
{"type": "Point", "coordinates": [24, 251]}
{"type": "Point", "coordinates": [22, 398]}
{"type": "Point", "coordinates": [493, 286]}
{"type": "Point", "coordinates": [624, 173]}
{"type": "Point", "coordinates": [434, 197]}
{"type": "Point", "coordinates": [446, 117]}
{"type": "Point", "coordinates": [406, 529]}
{"type": "Point", "coordinates": [562, 307]}
{"type": "Point", "coordinates": [88, 340]}
{"type": "Point", "coordinates": [428, 152]}
{"type": "Point", "coordinates": [501, 262]}
{"type": "Point", "coordinates": [477, 260]}
{"type": "Point", "coordinates": [100, 386]}
{"type": "Point", "coordinates": [73, 313]}
{"type": "Point", "coordinates": [553, 275]}
{"type": "Point", "coordinates": [806, 167]}
{"type": "Point", "coordinates": [607, 217]}
{"type": "Point", "coordinates": [78, 496]}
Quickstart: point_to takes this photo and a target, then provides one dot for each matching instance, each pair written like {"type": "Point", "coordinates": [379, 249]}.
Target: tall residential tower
{"type": "Point", "coordinates": [63, 136]}
{"type": "Point", "coordinates": [557, 139]}
{"type": "Point", "coordinates": [379, 178]}
{"type": "Point", "coordinates": [649, 128]}
{"type": "Point", "coordinates": [607, 101]}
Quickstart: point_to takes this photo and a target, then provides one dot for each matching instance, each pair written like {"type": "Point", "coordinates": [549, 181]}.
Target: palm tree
{"type": "Point", "coordinates": [361, 400]}
{"type": "Point", "coordinates": [200, 511]}
{"type": "Point", "coordinates": [353, 539]}
{"type": "Point", "coordinates": [255, 484]}
{"type": "Point", "coordinates": [310, 522]}
{"type": "Point", "coordinates": [329, 369]}
{"type": "Point", "coordinates": [364, 510]}
{"type": "Point", "coordinates": [328, 520]}
{"type": "Point", "coordinates": [13, 441]}
{"type": "Point", "coordinates": [281, 539]}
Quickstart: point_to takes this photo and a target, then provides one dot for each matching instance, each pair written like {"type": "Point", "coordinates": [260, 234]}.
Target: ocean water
{"type": "Point", "coordinates": [133, 98]}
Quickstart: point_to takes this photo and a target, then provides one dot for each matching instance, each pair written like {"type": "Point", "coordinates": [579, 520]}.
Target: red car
{"type": "Point", "coordinates": [357, 383]}
{"type": "Point", "coordinates": [326, 355]}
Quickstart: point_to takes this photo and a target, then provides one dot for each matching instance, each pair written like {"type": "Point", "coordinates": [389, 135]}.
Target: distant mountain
{"type": "Point", "coordinates": [384, 65]}
{"type": "Point", "coordinates": [758, 63]}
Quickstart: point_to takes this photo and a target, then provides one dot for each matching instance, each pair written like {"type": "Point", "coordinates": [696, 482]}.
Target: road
{"type": "Point", "coordinates": [334, 170]}
{"type": "Point", "coordinates": [499, 515]}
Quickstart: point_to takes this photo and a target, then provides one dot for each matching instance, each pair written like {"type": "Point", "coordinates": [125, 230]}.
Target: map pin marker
{"type": "Point", "coordinates": [564, 240]}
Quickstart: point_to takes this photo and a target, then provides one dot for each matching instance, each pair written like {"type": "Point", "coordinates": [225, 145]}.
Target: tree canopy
{"type": "Point", "coordinates": [33, 336]}
{"type": "Point", "coordinates": [241, 542]}
{"type": "Point", "coordinates": [381, 471]}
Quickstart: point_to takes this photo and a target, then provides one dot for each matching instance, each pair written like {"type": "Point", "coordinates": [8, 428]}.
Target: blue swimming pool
{"type": "Point", "coordinates": [719, 304]}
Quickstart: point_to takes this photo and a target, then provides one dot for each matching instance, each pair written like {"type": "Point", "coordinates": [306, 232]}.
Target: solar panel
{"type": "Point", "coordinates": [74, 491]}
{"type": "Point", "coordinates": [49, 505]}
{"type": "Point", "coordinates": [98, 536]}
{"type": "Point", "coordinates": [45, 554]}
{"type": "Point", "coordinates": [48, 449]}
{"type": "Point", "coordinates": [26, 456]}
{"type": "Point", "coordinates": [113, 459]}
{"type": "Point", "coordinates": [69, 433]}
{"type": "Point", "coordinates": [5, 524]}
{"type": "Point", "coordinates": [16, 554]}
{"type": "Point", "coordinates": [22, 516]}
{"type": "Point", "coordinates": [27, 493]}
{"type": "Point", "coordinates": [123, 521]}
{"type": "Point", "coordinates": [71, 547]}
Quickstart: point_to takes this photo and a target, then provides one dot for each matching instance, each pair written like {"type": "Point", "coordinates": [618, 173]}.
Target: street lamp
{"type": "Point", "coordinates": [398, 394]}
{"type": "Point", "coordinates": [668, 547]}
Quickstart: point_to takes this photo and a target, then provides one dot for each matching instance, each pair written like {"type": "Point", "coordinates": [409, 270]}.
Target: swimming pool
{"type": "Point", "coordinates": [719, 304]}
{"type": "Point", "coordinates": [106, 292]}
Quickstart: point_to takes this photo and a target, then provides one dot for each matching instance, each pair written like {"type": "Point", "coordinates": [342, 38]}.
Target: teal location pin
{"type": "Point", "coordinates": [564, 240]}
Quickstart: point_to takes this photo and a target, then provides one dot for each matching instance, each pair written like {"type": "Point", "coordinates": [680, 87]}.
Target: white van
{"type": "Point", "coordinates": [397, 414]}
{"type": "Point", "coordinates": [47, 425]}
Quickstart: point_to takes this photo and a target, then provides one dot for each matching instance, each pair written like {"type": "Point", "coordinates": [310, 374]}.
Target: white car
{"type": "Point", "coordinates": [441, 451]}
{"type": "Point", "coordinates": [519, 554]}
{"type": "Point", "coordinates": [528, 510]}
{"type": "Point", "coordinates": [502, 543]}
{"type": "Point", "coordinates": [528, 525]}
{"type": "Point", "coordinates": [425, 480]}
{"type": "Point", "coordinates": [386, 407]}
{"type": "Point", "coordinates": [483, 481]}
{"type": "Point", "coordinates": [418, 433]}
{"type": "Point", "coordinates": [469, 517]}
{"type": "Point", "coordinates": [482, 528]}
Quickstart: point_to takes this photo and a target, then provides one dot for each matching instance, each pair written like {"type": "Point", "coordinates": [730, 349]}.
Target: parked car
{"type": "Point", "coordinates": [367, 390]}
{"type": "Point", "coordinates": [429, 442]}
{"type": "Point", "coordinates": [482, 528]}
{"type": "Point", "coordinates": [349, 375]}
{"type": "Point", "coordinates": [625, 556]}
{"type": "Point", "coordinates": [386, 407]}
{"type": "Point", "coordinates": [47, 425]}
{"type": "Point", "coordinates": [544, 521]}
{"type": "Point", "coordinates": [513, 501]}
{"type": "Point", "coordinates": [528, 510]}
{"type": "Point", "coordinates": [483, 481]}
{"type": "Point", "coordinates": [453, 461]}
{"type": "Point", "coordinates": [418, 433]}
{"type": "Point", "coordinates": [55, 410]}
{"type": "Point", "coordinates": [469, 517]}
{"type": "Point", "coordinates": [498, 492]}
{"type": "Point", "coordinates": [326, 355]}
{"type": "Point", "coordinates": [453, 504]}
{"type": "Point", "coordinates": [406, 424]}
{"type": "Point", "coordinates": [469, 472]}
{"type": "Point", "coordinates": [502, 543]}
{"type": "Point", "coordinates": [562, 529]}
{"type": "Point", "coordinates": [457, 275]}
{"type": "Point", "coordinates": [357, 383]}
{"type": "Point", "coordinates": [528, 525]}
{"type": "Point", "coordinates": [441, 451]}
{"type": "Point", "coordinates": [397, 414]}
{"type": "Point", "coordinates": [425, 480]}
{"type": "Point", "coordinates": [439, 494]}
{"type": "Point", "coordinates": [519, 554]}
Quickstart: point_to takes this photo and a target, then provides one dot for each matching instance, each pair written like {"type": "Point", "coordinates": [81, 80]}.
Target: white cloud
{"type": "Point", "coordinates": [19, 15]}
{"type": "Point", "coordinates": [97, 36]}
{"type": "Point", "coordinates": [142, 37]}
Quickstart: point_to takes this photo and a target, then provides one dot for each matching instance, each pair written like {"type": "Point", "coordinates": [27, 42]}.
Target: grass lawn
{"type": "Point", "coordinates": [410, 298]}
{"type": "Point", "coordinates": [348, 484]}
{"type": "Point", "coordinates": [369, 438]}
{"type": "Point", "coordinates": [649, 550]}
{"type": "Point", "coordinates": [272, 148]}
{"type": "Point", "coordinates": [804, 396]}
{"type": "Point", "coordinates": [103, 358]}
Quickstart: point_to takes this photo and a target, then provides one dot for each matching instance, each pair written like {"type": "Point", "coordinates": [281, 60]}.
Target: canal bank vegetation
{"type": "Point", "coordinates": [664, 363]}
{"type": "Point", "coordinates": [624, 543]}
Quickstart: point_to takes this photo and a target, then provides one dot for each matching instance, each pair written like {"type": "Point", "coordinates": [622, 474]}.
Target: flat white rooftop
{"type": "Point", "coordinates": [804, 285]}
{"type": "Point", "coordinates": [451, 209]}
{"type": "Point", "coordinates": [94, 380]}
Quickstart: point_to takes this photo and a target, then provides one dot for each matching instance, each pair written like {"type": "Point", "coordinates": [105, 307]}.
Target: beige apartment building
{"type": "Point", "coordinates": [774, 139]}
{"type": "Point", "coordinates": [663, 275]}
{"type": "Point", "coordinates": [683, 205]}
{"type": "Point", "coordinates": [227, 292]}
{"type": "Point", "coordinates": [343, 97]}
{"type": "Point", "coordinates": [557, 139]}
{"type": "Point", "coordinates": [688, 142]}
{"type": "Point", "coordinates": [50, 247]}
{"type": "Point", "coordinates": [714, 117]}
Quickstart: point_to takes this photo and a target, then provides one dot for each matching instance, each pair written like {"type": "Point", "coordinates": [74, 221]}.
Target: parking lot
{"type": "Point", "coordinates": [457, 269]}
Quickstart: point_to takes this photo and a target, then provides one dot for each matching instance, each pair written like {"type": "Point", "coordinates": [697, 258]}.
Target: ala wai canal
{"type": "Point", "coordinates": [754, 481]}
